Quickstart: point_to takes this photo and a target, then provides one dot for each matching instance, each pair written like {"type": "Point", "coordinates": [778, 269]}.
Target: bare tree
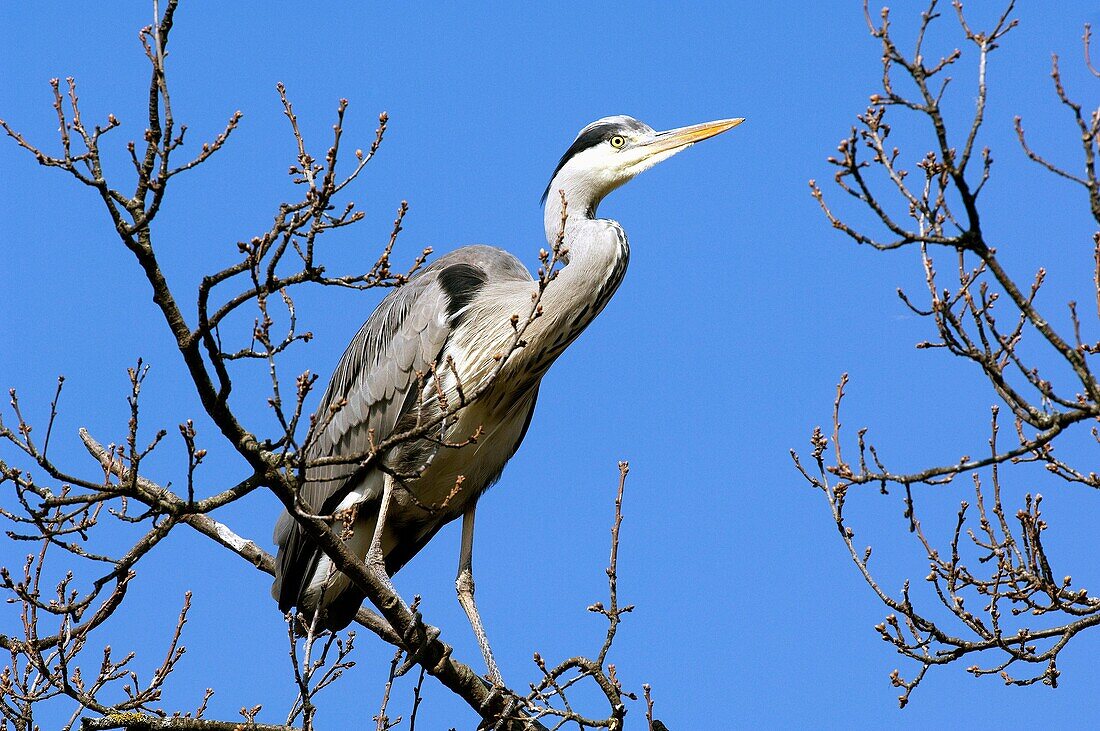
{"type": "Point", "coordinates": [75, 580]}
{"type": "Point", "coordinates": [993, 598]}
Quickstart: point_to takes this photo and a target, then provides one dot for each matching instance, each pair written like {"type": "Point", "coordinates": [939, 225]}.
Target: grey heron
{"type": "Point", "coordinates": [458, 311]}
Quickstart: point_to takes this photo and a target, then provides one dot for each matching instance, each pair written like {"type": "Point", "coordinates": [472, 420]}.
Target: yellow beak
{"type": "Point", "coordinates": [684, 136]}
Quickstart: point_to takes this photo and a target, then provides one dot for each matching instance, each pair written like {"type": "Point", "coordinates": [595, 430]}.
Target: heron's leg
{"type": "Point", "coordinates": [376, 559]}
{"type": "Point", "coordinates": [464, 584]}
{"type": "Point", "coordinates": [420, 634]}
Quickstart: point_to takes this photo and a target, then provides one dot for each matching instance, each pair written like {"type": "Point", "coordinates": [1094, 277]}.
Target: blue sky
{"type": "Point", "coordinates": [720, 352]}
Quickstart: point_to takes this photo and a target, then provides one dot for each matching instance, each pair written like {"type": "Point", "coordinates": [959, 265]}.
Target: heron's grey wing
{"type": "Point", "coordinates": [377, 377]}
{"type": "Point", "coordinates": [376, 382]}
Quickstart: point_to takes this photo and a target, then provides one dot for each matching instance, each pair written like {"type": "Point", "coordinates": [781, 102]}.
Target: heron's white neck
{"type": "Point", "coordinates": [583, 194]}
{"type": "Point", "coordinates": [596, 259]}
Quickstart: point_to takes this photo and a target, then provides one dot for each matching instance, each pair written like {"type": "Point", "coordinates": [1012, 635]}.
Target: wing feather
{"type": "Point", "coordinates": [377, 379]}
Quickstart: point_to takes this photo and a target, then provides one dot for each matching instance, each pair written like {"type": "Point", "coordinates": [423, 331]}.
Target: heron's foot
{"type": "Point", "coordinates": [512, 704]}
{"type": "Point", "coordinates": [419, 636]}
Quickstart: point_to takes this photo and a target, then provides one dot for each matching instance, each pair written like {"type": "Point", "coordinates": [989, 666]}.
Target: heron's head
{"type": "Point", "coordinates": [612, 150]}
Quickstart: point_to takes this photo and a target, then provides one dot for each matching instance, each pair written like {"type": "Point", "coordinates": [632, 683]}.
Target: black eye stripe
{"type": "Point", "coordinates": [591, 136]}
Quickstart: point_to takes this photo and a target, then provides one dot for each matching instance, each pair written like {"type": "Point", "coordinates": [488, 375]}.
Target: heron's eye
{"type": "Point", "coordinates": [617, 142]}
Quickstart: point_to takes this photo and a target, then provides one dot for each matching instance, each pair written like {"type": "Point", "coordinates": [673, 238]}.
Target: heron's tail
{"type": "Point", "coordinates": [296, 584]}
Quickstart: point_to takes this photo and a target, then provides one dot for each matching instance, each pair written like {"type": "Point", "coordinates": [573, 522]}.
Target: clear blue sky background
{"type": "Point", "coordinates": [719, 353]}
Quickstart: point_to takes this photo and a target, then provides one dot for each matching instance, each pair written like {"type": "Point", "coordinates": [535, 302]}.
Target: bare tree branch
{"type": "Point", "coordinates": [1000, 601]}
